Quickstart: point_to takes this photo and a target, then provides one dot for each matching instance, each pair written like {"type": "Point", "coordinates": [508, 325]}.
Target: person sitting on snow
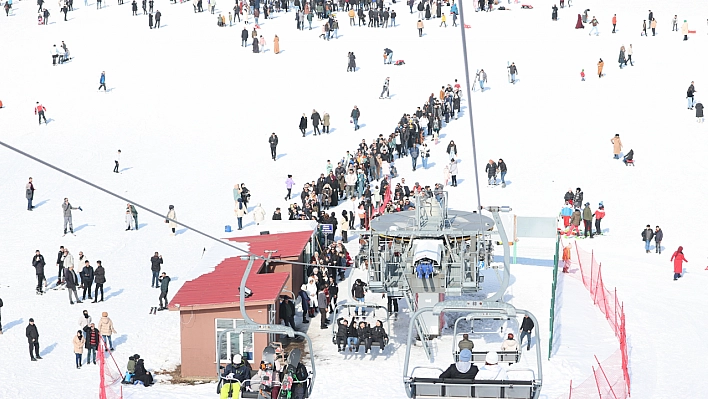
{"type": "Point", "coordinates": [141, 374]}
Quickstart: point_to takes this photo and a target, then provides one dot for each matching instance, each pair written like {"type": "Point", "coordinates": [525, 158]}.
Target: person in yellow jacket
{"type": "Point", "coordinates": [351, 14]}
{"type": "Point", "coordinates": [444, 20]}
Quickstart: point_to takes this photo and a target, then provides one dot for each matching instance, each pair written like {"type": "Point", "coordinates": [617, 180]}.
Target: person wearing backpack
{"type": "Point", "coordinates": [300, 381]}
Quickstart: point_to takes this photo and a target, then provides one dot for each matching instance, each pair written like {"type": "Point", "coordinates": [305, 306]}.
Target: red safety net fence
{"type": "Point", "coordinates": [610, 378]}
{"type": "Point", "coordinates": [111, 378]}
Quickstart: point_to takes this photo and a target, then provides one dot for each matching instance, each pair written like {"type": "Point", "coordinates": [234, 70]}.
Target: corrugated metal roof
{"type": "Point", "coordinates": [221, 285]}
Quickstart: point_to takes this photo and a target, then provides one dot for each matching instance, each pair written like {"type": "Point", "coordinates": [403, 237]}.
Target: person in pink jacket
{"type": "Point", "coordinates": [678, 260]}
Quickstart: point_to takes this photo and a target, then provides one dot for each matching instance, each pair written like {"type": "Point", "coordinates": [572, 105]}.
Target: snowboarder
{"type": "Point", "coordinates": [678, 260]}
{"type": "Point", "coordinates": [29, 193]}
{"type": "Point", "coordinates": [273, 142]}
{"type": "Point", "coordinates": [689, 95]}
{"type": "Point", "coordinates": [38, 264]}
{"type": "Point", "coordinates": [385, 88]}
{"type": "Point", "coordinates": [33, 340]}
{"type": "Point", "coordinates": [39, 109]}
{"type": "Point", "coordinates": [164, 288]}
{"type": "Point", "coordinates": [67, 208]}
{"type": "Point", "coordinates": [617, 146]}
{"type": "Point", "coordinates": [658, 237]}
{"type": "Point", "coordinates": [171, 217]}
{"type": "Point", "coordinates": [647, 235]}
{"type": "Point", "coordinates": [102, 81]}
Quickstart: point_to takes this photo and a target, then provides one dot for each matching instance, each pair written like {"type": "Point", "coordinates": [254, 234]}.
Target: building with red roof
{"type": "Point", "coordinates": [209, 304]}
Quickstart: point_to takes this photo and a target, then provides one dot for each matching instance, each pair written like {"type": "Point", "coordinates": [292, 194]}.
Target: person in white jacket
{"type": "Point", "coordinates": [350, 182]}
{"type": "Point", "coordinates": [491, 369]}
{"type": "Point", "coordinates": [453, 172]}
{"type": "Point", "coordinates": [258, 214]}
{"type": "Point", "coordinates": [312, 293]}
{"type": "Point", "coordinates": [510, 344]}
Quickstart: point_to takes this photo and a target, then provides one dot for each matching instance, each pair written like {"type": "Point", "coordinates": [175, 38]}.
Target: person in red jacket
{"type": "Point", "coordinates": [678, 260]}
{"type": "Point", "coordinates": [39, 110]}
{"type": "Point", "coordinates": [599, 214]}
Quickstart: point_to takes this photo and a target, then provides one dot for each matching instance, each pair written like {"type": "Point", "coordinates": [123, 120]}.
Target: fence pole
{"type": "Point", "coordinates": [577, 253]}
{"type": "Point", "coordinates": [606, 379]}
{"type": "Point", "coordinates": [570, 395]}
{"type": "Point", "coordinates": [597, 383]}
{"type": "Point", "coordinates": [616, 325]}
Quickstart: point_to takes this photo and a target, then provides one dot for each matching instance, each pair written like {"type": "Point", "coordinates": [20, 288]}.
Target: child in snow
{"type": "Point", "coordinates": [566, 258]}
{"type": "Point", "coordinates": [582, 75]}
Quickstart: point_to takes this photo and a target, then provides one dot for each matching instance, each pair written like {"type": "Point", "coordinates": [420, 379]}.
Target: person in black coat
{"type": "Point", "coordinates": [255, 45]}
{"type": "Point", "coordinates": [150, 20]}
{"type": "Point", "coordinates": [502, 169]}
{"type": "Point", "coordinates": [378, 334]}
{"type": "Point", "coordinates": [60, 266]}
{"type": "Point", "coordinates": [315, 122]}
{"type": "Point", "coordinates": [38, 263]}
{"type": "Point", "coordinates": [463, 369]}
{"type": "Point", "coordinates": [273, 142]}
{"type": "Point", "coordinates": [244, 37]}
{"type": "Point", "coordinates": [491, 170]}
{"type": "Point", "coordinates": [303, 124]}
{"type": "Point", "coordinates": [658, 237]}
{"type": "Point", "coordinates": [141, 374]}
{"type": "Point", "coordinates": [569, 196]}
{"type": "Point", "coordinates": [554, 14]}
{"type": "Point", "coordinates": [33, 340]}
{"type": "Point", "coordinates": [363, 333]}
{"type": "Point", "coordinates": [352, 335]}
{"type": "Point", "coordinates": [87, 279]}
{"type": "Point", "coordinates": [100, 278]}
{"type": "Point", "coordinates": [526, 327]}
{"type": "Point", "coordinates": [342, 333]}
{"type": "Point", "coordinates": [699, 112]}
{"type": "Point", "coordinates": [158, 15]}
{"type": "Point", "coordinates": [71, 283]}
{"type": "Point", "coordinates": [578, 199]}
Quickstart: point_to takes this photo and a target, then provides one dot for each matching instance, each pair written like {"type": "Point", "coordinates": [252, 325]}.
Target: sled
{"type": "Point", "coordinates": [399, 62]}
{"type": "Point", "coordinates": [467, 26]}
{"type": "Point", "coordinates": [691, 31]}
{"type": "Point", "coordinates": [526, 7]}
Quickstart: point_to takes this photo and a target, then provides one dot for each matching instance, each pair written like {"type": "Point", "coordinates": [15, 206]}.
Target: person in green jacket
{"type": "Point", "coordinates": [587, 220]}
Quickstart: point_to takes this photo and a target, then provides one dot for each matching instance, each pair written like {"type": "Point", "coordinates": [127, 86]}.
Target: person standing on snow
{"type": "Point", "coordinates": [526, 327]}
{"type": "Point", "coordinates": [587, 220]}
{"type": "Point", "coordinates": [164, 288]}
{"type": "Point", "coordinates": [303, 124]}
{"type": "Point", "coordinates": [575, 221]}
{"type": "Point", "coordinates": [699, 112]}
{"type": "Point", "coordinates": [630, 51]}
{"type": "Point", "coordinates": [678, 260]}
{"type": "Point", "coordinates": [67, 208]}
{"type": "Point", "coordinates": [653, 27]}
{"type": "Point", "coordinates": [614, 23]}
{"type": "Point", "coordinates": [647, 235]}
{"type": "Point", "coordinates": [355, 114]}
{"type": "Point", "coordinates": [622, 60]}
{"type": "Point", "coordinates": [315, 123]}
{"type": "Point", "coordinates": [482, 77]}
{"type": "Point", "coordinates": [513, 72]}
{"type": "Point", "coordinates": [600, 65]}
{"type": "Point", "coordinates": [599, 215]}
{"type": "Point", "coordinates": [240, 211]}
{"type": "Point", "coordinates": [689, 95]}
{"type": "Point", "coordinates": [258, 214]}
{"type": "Point", "coordinates": [29, 194]}
{"type": "Point", "coordinates": [289, 183]}
{"type": "Point", "coordinates": [578, 199]}
{"type": "Point", "coordinates": [86, 279]}
{"type": "Point", "coordinates": [39, 109]}
{"type": "Point", "coordinates": [155, 265]}
{"type": "Point", "coordinates": [79, 343]}
{"type": "Point", "coordinates": [325, 122]}
{"type": "Point", "coordinates": [491, 170]}
{"type": "Point", "coordinates": [33, 339]}
{"type": "Point", "coordinates": [102, 81]}
{"type": "Point", "coordinates": [105, 328]}
{"type": "Point", "coordinates": [38, 264]}
{"type": "Point", "coordinates": [273, 142]}
{"type": "Point", "coordinates": [617, 146]}
{"type": "Point", "coordinates": [674, 24]}
{"type": "Point", "coordinates": [594, 24]}
{"type": "Point", "coordinates": [684, 30]}
{"type": "Point", "coordinates": [117, 160]}
{"type": "Point", "coordinates": [100, 279]}
{"type": "Point", "coordinates": [502, 169]}
{"type": "Point", "coordinates": [385, 88]}
{"type": "Point", "coordinates": [658, 237]}
{"type": "Point", "coordinates": [453, 172]}
{"type": "Point", "coordinates": [158, 15]}
{"type": "Point", "coordinates": [566, 212]}
{"type": "Point", "coordinates": [71, 283]}
{"type": "Point", "coordinates": [92, 341]}
{"type": "Point", "coordinates": [171, 217]}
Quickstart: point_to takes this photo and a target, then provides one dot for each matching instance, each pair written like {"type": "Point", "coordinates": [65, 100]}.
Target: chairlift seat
{"type": "Point", "coordinates": [462, 388]}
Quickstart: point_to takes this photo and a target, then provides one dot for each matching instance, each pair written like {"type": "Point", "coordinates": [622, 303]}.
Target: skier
{"type": "Point", "coordinates": [164, 288]}
{"type": "Point", "coordinates": [273, 142]}
{"type": "Point", "coordinates": [617, 146]}
{"type": "Point", "coordinates": [491, 170]}
{"type": "Point", "coordinates": [38, 264]}
{"type": "Point", "coordinates": [303, 124]}
{"type": "Point", "coordinates": [71, 283]}
{"type": "Point", "coordinates": [100, 279]}
{"type": "Point", "coordinates": [678, 260]}
{"type": "Point", "coordinates": [658, 237]}
{"type": "Point", "coordinates": [512, 72]}
{"type": "Point", "coordinates": [39, 109]}
{"type": "Point", "coordinates": [105, 328]}
{"type": "Point", "coordinates": [385, 88]}
{"type": "Point", "coordinates": [599, 215]}
{"type": "Point", "coordinates": [689, 95]}
{"type": "Point", "coordinates": [315, 123]}
{"type": "Point", "coordinates": [647, 235]}
{"type": "Point", "coordinates": [355, 114]}
{"type": "Point", "coordinates": [594, 24]}
{"type": "Point", "coordinates": [67, 208]}
{"type": "Point", "coordinates": [33, 340]}
{"type": "Point", "coordinates": [29, 193]}
{"type": "Point", "coordinates": [102, 81]}
{"type": "Point", "coordinates": [171, 216]}
{"type": "Point", "coordinates": [587, 220]}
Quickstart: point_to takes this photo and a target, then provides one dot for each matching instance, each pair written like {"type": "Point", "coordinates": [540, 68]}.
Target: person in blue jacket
{"type": "Point", "coordinates": [566, 213]}
{"type": "Point", "coordinates": [103, 81]}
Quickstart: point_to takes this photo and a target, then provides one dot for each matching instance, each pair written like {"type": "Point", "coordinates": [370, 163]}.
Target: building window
{"type": "Point", "coordinates": [232, 343]}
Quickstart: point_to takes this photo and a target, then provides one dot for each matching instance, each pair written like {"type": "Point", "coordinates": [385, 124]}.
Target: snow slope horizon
{"type": "Point", "coordinates": [231, 96]}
